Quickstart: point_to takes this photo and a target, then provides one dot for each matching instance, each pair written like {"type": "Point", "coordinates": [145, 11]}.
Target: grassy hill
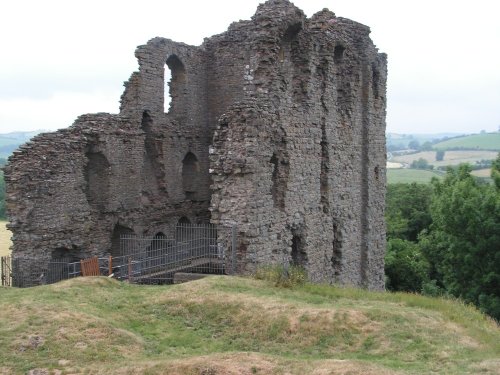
{"type": "Point", "coordinates": [403, 140]}
{"type": "Point", "coordinates": [485, 141]}
{"type": "Point", "coordinates": [229, 325]}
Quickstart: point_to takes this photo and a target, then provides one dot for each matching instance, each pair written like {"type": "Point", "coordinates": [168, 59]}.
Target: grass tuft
{"type": "Point", "coordinates": [282, 276]}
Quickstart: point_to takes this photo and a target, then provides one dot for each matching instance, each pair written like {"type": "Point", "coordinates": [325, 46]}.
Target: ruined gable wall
{"type": "Point", "coordinates": [53, 194]}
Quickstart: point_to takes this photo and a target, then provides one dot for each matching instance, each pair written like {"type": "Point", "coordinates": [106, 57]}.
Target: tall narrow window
{"type": "Point", "coordinates": [97, 179]}
{"type": "Point", "coordinates": [190, 175]}
{"type": "Point", "coordinates": [174, 82]}
{"type": "Point", "coordinates": [299, 257]}
{"type": "Point", "coordinates": [338, 54]}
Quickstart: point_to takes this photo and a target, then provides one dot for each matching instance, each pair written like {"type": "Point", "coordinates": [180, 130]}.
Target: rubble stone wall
{"type": "Point", "coordinates": [276, 126]}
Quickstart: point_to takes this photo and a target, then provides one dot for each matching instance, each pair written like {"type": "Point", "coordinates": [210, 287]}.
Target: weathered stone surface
{"type": "Point", "coordinates": [277, 126]}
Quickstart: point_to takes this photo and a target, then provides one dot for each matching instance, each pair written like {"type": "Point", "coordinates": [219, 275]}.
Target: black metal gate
{"type": "Point", "coordinates": [6, 270]}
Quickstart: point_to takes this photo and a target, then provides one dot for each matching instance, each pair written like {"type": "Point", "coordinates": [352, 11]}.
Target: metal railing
{"type": "Point", "coordinates": [187, 248]}
{"type": "Point", "coordinates": [190, 248]}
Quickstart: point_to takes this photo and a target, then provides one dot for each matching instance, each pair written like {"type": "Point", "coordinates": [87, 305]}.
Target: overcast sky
{"type": "Point", "coordinates": [61, 58]}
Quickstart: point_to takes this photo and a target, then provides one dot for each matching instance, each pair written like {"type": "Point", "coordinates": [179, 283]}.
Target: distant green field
{"type": "Point", "coordinates": [450, 157]}
{"type": "Point", "coordinates": [486, 141]}
{"type": "Point", "coordinates": [420, 176]}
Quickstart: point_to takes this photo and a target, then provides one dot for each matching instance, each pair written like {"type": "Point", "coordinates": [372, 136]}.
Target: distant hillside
{"type": "Point", "coordinates": [11, 141]}
{"type": "Point", "coordinates": [484, 141]}
{"type": "Point", "coordinates": [402, 141]}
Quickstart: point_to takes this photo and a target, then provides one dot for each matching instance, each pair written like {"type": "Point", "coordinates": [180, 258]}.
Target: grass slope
{"type": "Point", "coordinates": [229, 325]}
{"type": "Point", "coordinates": [486, 141]}
{"type": "Point", "coordinates": [407, 176]}
{"type": "Point", "coordinates": [5, 241]}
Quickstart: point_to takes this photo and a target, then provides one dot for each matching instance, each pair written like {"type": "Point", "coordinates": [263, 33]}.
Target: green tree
{"type": "Point", "coordinates": [421, 163]}
{"type": "Point", "coordinates": [414, 145]}
{"type": "Point", "coordinates": [462, 245]}
{"type": "Point", "coordinates": [406, 268]}
{"type": "Point", "coordinates": [426, 146]}
{"type": "Point", "coordinates": [407, 210]}
{"type": "Point", "coordinates": [495, 171]}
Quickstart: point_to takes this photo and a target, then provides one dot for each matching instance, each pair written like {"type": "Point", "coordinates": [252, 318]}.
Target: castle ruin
{"type": "Point", "coordinates": [276, 125]}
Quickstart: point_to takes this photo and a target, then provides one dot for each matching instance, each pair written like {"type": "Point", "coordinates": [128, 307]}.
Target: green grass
{"type": "Point", "coordinates": [239, 326]}
{"type": "Point", "coordinates": [409, 175]}
{"type": "Point", "coordinates": [486, 141]}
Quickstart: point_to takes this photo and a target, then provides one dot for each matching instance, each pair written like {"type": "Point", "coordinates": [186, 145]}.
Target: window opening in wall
{"type": "Point", "coordinates": [289, 37]}
{"type": "Point", "coordinates": [64, 263]}
{"type": "Point", "coordinates": [118, 231]}
{"type": "Point", "coordinates": [174, 81]}
{"type": "Point", "coordinates": [299, 257]}
{"type": "Point", "coordinates": [190, 175]}
{"type": "Point", "coordinates": [338, 54]}
{"type": "Point", "coordinates": [158, 242]}
{"type": "Point", "coordinates": [63, 254]}
{"type": "Point", "coordinates": [97, 179]}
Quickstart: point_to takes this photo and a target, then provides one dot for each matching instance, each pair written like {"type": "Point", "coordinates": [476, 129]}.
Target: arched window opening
{"type": "Point", "coordinates": [338, 54]}
{"type": "Point", "coordinates": [190, 175]}
{"type": "Point", "coordinates": [65, 262]}
{"type": "Point", "coordinates": [97, 179]}
{"type": "Point", "coordinates": [159, 242]}
{"type": "Point", "coordinates": [174, 81]}
{"type": "Point", "coordinates": [63, 254]}
{"type": "Point", "coordinates": [299, 257]}
{"type": "Point", "coordinates": [146, 122]}
{"type": "Point", "coordinates": [120, 232]}
{"type": "Point", "coordinates": [289, 38]}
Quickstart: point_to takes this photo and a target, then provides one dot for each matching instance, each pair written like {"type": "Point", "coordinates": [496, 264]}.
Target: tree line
{"type": "Point", "coordinates": [444, 238]}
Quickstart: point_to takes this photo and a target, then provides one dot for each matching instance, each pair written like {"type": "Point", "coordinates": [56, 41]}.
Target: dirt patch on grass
{"type": "Point", "coordinates": [255, 363]}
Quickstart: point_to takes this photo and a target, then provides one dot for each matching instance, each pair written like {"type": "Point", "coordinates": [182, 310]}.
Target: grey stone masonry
{"type": "Point", "coordinates": [276, 125]}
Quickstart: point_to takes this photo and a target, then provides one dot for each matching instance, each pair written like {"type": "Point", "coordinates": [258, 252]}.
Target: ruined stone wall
{"type": "Point", "coordinates": [276, 125]}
